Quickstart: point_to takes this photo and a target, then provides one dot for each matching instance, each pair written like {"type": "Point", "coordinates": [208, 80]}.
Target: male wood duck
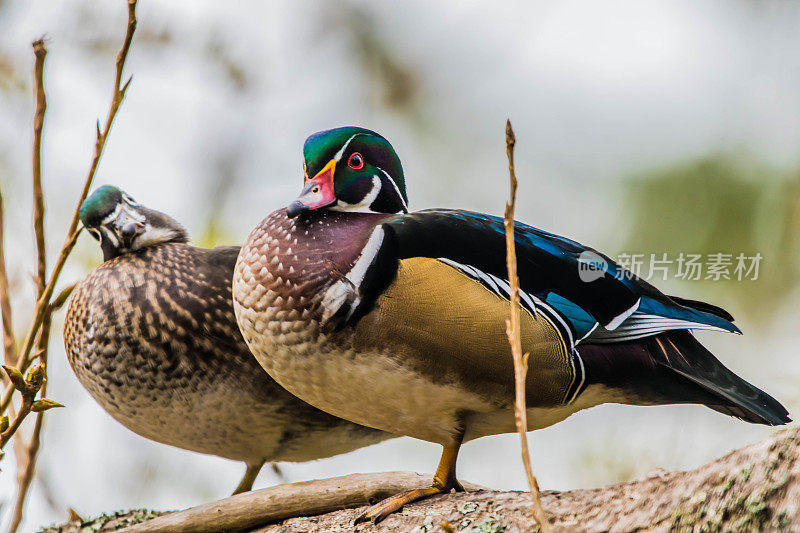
{"type": "Point", "coordinates": [396, 320]}
{"type": "Point", "coordinates": [152, 336]}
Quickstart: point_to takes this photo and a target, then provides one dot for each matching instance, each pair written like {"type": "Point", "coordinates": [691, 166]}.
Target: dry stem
{"type": "Point", "coordinates": [43, 303]}
{"type": "Point", "coordinates": [9, 343]}
{"type": "Point", "coordinates": [514, 335]}
{"type": "Point", "coordinates": [40, 51]}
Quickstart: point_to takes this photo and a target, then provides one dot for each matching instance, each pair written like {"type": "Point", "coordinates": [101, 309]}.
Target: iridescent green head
{"type": "Point", "coordinates": [122, 226]}
{"type": "Point", "coordinates": [351, 169]}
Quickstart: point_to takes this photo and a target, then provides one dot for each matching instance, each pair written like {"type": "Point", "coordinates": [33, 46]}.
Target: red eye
{"type": "Point", "coordinates": [356, 162]}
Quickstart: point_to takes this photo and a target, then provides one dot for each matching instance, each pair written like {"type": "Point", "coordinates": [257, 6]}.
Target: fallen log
{"type": "Point", "coordinates": [754, 488]}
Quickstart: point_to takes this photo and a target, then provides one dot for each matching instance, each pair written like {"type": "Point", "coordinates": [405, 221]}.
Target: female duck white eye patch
{"type": "Point", "coordinates": [130, 201]}
{"type": "Point", "coordinates": [132, 213]}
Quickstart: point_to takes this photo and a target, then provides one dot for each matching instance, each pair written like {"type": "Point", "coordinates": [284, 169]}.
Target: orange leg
{"type": "Point", "coordinates": [250, 475]}
{"type": "Point", "coordinates": [443, 482]}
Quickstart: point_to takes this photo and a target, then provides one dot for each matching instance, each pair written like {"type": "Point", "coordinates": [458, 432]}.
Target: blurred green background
{"type": "Point", "coordinates": [643, 128]}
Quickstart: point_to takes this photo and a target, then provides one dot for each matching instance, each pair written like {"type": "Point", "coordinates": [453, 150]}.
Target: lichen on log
{"type": "Point", "coordinates": [754, 488]}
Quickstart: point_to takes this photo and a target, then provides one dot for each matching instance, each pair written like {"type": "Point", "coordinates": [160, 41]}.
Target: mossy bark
{"type": "Point", "coordinates": [754, 488]}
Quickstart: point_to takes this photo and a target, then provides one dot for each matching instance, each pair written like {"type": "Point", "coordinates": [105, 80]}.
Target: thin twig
{"type": "Point", "coordinates": [40, 51]}
{"type": "Point", "coordinates": [515, 338]}
{"type": "Point", "coordinates": [27, 454]}
{"type": "Point", "coordinates": [24, 410]}
{"type": "Point", "coordinates": [43, 304]}
{"type": "Point", "coordinates": [9, 342]}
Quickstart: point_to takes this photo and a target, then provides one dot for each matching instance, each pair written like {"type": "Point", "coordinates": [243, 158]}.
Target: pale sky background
{"type": "Point", "coordinates": [226, 92]}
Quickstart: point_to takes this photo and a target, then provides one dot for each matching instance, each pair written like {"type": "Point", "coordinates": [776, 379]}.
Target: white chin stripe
{"type": "Point", "coordinates": [363, 205]}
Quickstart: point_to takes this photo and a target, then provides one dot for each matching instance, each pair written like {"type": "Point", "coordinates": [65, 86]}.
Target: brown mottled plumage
{"type": "Point", "coordinates": [152, 336]}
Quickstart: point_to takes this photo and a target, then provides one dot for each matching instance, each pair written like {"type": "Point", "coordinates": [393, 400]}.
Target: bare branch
{"type": "Point", "coordinates": [26, 453]}
{"type": "Point", "coordinates": [259, 507]}
{"type": "Point", "coordinates": [9, 342]}
{"type": "Point", "coordinates": [40, 51]}
{"type": "Point", "coordinates": [43, 304]}
{"type": "Point", "coordinates": [514, 335]}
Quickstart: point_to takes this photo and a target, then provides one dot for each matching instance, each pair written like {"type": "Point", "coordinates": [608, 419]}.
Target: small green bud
{"type": "Point", "coordinates": [35, 377]}
{"type": "Point", "coordinates": [16, 378]}
{"type": "Point", "coordinates": [43, 405]}
{"type": "Point", "coordinates": [3, 424]}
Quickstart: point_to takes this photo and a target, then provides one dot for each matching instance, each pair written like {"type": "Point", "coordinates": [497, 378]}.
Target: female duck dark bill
{"type": "Point", "coordinates": [152, 336]}
{"type": "Point", "coordinates": [396, 320]}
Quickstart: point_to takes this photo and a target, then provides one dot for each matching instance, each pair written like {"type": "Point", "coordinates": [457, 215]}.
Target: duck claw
{"type": "Point", "coordinates": [392, 504]}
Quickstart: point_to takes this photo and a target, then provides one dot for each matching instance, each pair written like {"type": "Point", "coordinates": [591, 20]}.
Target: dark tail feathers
{"type": "Point", "coordinates": [673, 367]}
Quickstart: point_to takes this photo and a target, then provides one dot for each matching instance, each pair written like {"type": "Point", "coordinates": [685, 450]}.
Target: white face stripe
{"type": "Point", "coordinates": [343, 206]}
{"type": "Point", "coordinates": [340, 153]}
{"type": "Point", "coordinates": [122, 208]}
{"type": "Point", "coordinates": [396, 189]}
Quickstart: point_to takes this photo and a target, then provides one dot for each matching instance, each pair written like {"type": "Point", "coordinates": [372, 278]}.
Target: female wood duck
{"type": "Point", "coordinates": [396, 320]}
{"type": "Point", "coordinates": [152, 336]}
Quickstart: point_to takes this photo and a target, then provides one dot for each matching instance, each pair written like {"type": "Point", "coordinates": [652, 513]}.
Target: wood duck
{"type": "Point", "coordinates": [396, 320]}
{"type": "Point", "coordinates": [152, 336]}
